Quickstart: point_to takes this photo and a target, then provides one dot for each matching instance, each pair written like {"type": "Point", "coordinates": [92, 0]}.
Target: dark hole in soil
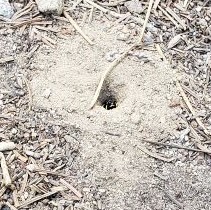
{"type": "Point", "coordinates": [108, 98]}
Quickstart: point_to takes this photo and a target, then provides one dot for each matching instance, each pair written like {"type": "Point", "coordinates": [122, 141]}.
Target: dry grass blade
{"type": "Point", "coordinates": [5, 171]}
{"type": "Point", "coordinates": [154, 155]}
{"type": "Point", "coordinates": [176, 17]}
{"type": "Point", "coordinates": [168, 16]}
{"type": "Point", "coordinates": [180, 205]}
{"type": "Point", "coordinates": [118, 60]}
{"type": "Point", "coordinates": [17, 14]}
{"type": "Point", "coordinates": [75, 25]}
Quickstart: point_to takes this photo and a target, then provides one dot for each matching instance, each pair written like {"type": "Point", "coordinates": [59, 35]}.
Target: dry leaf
{"type": "Point", "coordinates": [174, 41]}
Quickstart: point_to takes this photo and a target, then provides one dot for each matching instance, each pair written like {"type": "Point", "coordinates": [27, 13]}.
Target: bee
{"type": "Point", "coordinates": [110, 104]}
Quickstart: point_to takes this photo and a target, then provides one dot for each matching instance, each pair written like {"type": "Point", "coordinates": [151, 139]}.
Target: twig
{"type": "Point", "coordinates": [91, 14]}
{"type": "Point", "coordinates": [185, 98]}
{"type": "Point", "coordinates": [97, 6]}
{"type": "Point", "coordinates": [180, 205]}
{"type": "Point", "coordinates": [118, 60]}
{"type": "Point", "coordinates": [198, 141]}
{"type": "Point", "coordinates": [39, 197]}
{"type": "Point", "coordinates": [5, 172]}
{"type": "Point", "coordinates": [29, 91]}
{"type": "Point", "coordinates": [75, 25]}
{"type": "Point", "coordinates": [4, 146]}
{"type": "Point", "coordinates": [104, 75]}
{"type": "Point", "coordinates": [15, 17]}
{"type": "Point", "coordinates": [173, 146]}
{"type": "Point", "coordinates": [154, 155]}
{"type": "Point", "coordinates": [69, 186]}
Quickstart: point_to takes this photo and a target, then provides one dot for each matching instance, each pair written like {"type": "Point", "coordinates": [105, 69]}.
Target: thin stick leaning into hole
{"type": "Point", "coordinates": [118, 60]}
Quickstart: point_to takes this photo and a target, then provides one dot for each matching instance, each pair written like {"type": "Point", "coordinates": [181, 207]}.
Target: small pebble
{"type": "Point", "coordinates": [51, 6]}
{"type": "Point", "coordinates": [135, 118]}
{"type": "Point", "coordinates": [6, 9]}
{"type": "Point", "coordinates": [14, 131]}
{"type": "Point", "coordinates": [47, 93]}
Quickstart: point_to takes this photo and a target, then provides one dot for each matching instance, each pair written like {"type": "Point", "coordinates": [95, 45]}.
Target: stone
{"type": "Point", "coordinates": [123, 36]}
{"type": "Point", "coordinates": [51, 6]}
{"type": "Point", "coordinates": [6, 9]}
{"type": "Point", "coordinates": [134, 6]}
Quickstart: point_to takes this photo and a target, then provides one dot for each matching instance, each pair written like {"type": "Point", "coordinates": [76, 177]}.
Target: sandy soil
{"type": "Point", "coordinates": [112, 171]}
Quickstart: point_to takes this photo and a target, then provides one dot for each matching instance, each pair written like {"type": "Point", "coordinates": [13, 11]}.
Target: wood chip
{"type": "Point", "coordinates": [39, 197]}
{"type": "Point", "coordinates": [174, 41]}
{"type": "Point", "coordinates": [20, 157]}
{"type": "Point", "coordinates": [69, 186]}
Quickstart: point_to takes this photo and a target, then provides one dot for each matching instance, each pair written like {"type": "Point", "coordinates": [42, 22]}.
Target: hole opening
{"type": "Point", "coordinates": [108, 99]}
